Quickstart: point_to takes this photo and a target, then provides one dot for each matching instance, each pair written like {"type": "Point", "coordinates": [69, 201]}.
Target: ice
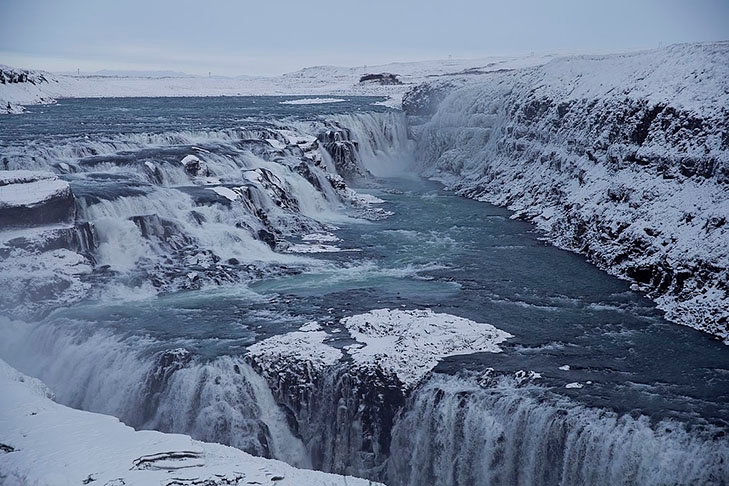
{"type": "Point", "coordinates": [312, 101]}
{"type": "Point", "coordinates": [320, 237]}
{"type": "Point", "coordinates": [314, 249]}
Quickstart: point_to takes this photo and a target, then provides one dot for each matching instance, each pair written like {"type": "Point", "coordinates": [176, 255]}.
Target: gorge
{"type": "Point", "coordinates": [203, 266]}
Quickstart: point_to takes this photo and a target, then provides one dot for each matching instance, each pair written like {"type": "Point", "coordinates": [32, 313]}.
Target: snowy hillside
{"type": "Point", "coordinates": [320, 80]}
{"type": "Point", "coordinates": [20, 87]}
{"type": "Point", "coordinates": [623, 158]}
{"type": "Point", "coordinates": [44, 443]}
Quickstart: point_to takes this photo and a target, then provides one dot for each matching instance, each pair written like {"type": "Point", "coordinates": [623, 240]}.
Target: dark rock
{"type": "Point", "coordinates": [424, 99]}
{"type": "Point", "coordinates": [268, 238]}
{"type": "Point", "coordinates": [384, 79]}
{"type": "Point", "coordinates": [338, 143]}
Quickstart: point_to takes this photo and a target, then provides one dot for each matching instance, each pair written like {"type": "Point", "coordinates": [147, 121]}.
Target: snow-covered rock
{"type": "Point", "coordinates": [624, 158]}
{"type": "Point", "coordinates": [20, 87]}
{"type": "Point", "coordinates": [30, 198]}
{"type": "Point", "coordinates": [46, 444]}
{"type": "Point", "coordinates": [345, 400]}
{"type": "Point", "coordinates": [410, 343]}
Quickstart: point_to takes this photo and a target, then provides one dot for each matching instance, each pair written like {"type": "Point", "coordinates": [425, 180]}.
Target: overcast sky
{"type": "Point", "coordinates": [230, 37]}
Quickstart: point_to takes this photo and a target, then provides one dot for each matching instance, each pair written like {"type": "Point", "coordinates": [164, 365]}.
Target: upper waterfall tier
{"type": "Point", "coordinates": [203, 198]}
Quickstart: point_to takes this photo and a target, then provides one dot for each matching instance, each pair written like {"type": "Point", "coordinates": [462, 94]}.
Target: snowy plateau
{"type": "Point", "coordinates": [622, 158]}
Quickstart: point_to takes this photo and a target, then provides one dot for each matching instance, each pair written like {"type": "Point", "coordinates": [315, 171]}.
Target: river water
{"type": "Point", "coordinates": [622, 396]}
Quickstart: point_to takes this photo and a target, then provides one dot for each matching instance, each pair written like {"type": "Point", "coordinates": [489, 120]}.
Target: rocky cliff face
{"type": "Point", "coordinates": [622, 158]}
{"type": "Point", "coordinates": [21, 87]}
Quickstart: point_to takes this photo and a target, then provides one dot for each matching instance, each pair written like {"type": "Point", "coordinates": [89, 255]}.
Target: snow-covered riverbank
{"type": "Point", "coordinates": [624, 158]}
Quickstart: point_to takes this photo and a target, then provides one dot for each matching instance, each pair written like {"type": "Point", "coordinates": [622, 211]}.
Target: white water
{"type": "Point", "coordinates": [223, 400]}
{"type": "Point", "coordinates": [457, 432]}
{"type": "Point", "coordinates": [385, 147]}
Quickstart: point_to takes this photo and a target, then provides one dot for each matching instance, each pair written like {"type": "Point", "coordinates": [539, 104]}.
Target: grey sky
{"type": "Point", "coordinates": [231, 37]}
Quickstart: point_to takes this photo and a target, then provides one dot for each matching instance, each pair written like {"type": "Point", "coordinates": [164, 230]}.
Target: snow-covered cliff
{"type": "Point", "coordinates": [20, 87]}
{"type": "Point", "coordinates": [624, 158]}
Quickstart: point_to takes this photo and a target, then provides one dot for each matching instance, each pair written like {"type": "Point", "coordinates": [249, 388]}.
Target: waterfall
{"type": "Point", "coordinates": [456, 431]}
{"type": "Point", "coordinates": [180, 210]}
{"type": "Point", "coordinates": [149, 386]}
{"type": "Point", "coordinates": [385, 147]}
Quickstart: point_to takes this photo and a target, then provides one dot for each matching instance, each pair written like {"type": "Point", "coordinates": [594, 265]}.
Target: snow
{"type": "Point", "coordinates": [32, 193]}
{"type": "Point", "coordinates": [320, 237]}
{"type": "Point", "coordinates": [405, 343]}
{"type": "Point", "coordinates": [27, 188]}
{"type": "Point", "coordinates": [310, 326]}
{"type": "Point", "coordinates": [226, 192]}
{"type": "Point", "coordinates": [278, 145]}
{"type": "Point", "coordinates": [299, 248]}
{"type": "Point", "coordinates": [187, 159]}
{"type": "Point", "coordinates": [327, 83]}
{"type": "Point", "coordinates": [306, 344]}
{"type": "Point", "coordinates": [23, 176]}
{"type": "Point", "coordinates": [50, 444]}
{"type": "Point", "coordinates": [312, 101]}
{"type": "Point", "coordinates": [409, 343]}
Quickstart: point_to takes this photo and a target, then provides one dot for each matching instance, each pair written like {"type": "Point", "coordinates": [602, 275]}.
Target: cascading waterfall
{"type": "Point", "coordinates": [145, 207]}
{"type": "Point", "coordinates": [148, 208]}
{"type": "Point", "coordinates": [384, 145]}
{"type": "Point", "coordinates": [148, 386]}
{"type": "Point", "coordinates": [456, 431]}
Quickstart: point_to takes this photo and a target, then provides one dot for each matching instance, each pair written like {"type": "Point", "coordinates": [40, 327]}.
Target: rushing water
{"type": "Point", "coordinates": [624, 396]}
